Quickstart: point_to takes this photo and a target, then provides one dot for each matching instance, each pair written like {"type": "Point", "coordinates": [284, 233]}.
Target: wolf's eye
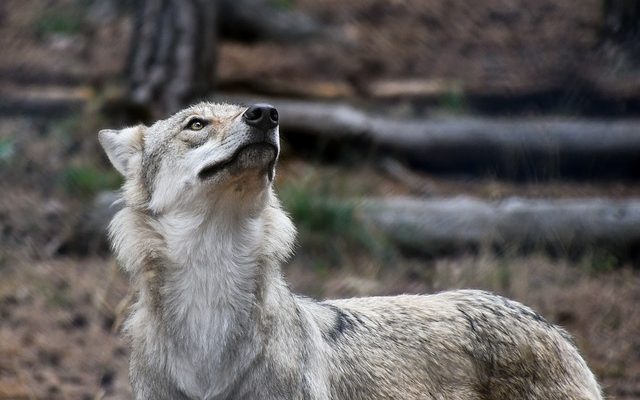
{"type": "Point", "coordinates": [196, 124]}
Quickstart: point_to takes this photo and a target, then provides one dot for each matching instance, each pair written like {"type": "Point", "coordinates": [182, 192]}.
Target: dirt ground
{"type": "Point", "coordinates": [60, 311]}
{"type": "Point", "coordinates": [59, 334]}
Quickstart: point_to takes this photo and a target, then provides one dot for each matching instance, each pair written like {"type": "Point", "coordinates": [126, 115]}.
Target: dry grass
{"type": "Point", "coordinates": [57, 317]}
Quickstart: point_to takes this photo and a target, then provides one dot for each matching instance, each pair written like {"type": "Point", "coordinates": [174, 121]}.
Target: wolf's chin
{"type": "Point", "coordinates": [252, 156]}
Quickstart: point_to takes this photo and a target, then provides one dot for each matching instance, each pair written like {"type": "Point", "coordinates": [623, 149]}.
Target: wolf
{"type": "Point", "coordinates": [203, 236]}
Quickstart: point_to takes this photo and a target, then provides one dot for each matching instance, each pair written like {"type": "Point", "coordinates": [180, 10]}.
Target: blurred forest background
{"type": "Point", "coordinates": [427, 145]}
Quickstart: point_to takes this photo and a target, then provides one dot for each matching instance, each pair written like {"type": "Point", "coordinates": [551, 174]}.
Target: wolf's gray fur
{"type": "Point", "coordinates": [203, 235]}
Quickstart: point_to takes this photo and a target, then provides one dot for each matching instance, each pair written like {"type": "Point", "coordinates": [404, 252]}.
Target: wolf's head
{"type": "Point", "coordinates": [199, 206]}
{"type": "Point", "coordinates": [206, 156]}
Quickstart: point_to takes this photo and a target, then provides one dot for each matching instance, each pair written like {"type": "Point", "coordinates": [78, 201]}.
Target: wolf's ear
{"type": "Point", "coordinates": [121, 145]}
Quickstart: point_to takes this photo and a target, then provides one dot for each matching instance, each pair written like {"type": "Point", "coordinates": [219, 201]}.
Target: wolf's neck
{"type": "Point", "coordinates": [211, 280]}
{"type": "Point", "coordinates": [204, 281]}
{"type": "Point", "coordinates": [201, 304]}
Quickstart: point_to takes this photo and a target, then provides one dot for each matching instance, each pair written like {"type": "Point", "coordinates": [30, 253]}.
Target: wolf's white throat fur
{"type": "Point", "coordinates": [202, 235]}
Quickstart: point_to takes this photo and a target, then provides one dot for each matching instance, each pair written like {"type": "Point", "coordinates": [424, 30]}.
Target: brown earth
{"type": "Point", "coordinates": [58, 336]}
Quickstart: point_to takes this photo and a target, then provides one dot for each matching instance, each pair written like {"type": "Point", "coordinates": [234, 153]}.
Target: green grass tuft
{"type": "Point", "coordinates": [87, 180]}
{"type": "Point", "coordinates": [317, 212]}
{"type": "Point", "coordinates": [6, 149]}
{"type": "Point", "coordinates": [599, 261]}
{"type": "Point", "coordinates": [329, 226]}
{"type": "Point", "coordinates": [453, 101]}
{"type": "Point", "coordinates": [63, 20]}
{"type": "Point", "coordinates": [283, 4]}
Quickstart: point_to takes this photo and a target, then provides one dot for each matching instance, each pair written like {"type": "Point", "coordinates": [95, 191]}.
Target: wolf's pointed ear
{"type": "Point", "coordinates": [121, 145]}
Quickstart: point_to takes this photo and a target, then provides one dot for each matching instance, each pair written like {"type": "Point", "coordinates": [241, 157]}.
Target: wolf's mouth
{"type": "Point", "coordinates": [213, 169]}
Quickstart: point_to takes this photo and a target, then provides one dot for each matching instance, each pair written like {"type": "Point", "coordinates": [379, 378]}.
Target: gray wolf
{"type": "Point", "coordinates": [202, 235]}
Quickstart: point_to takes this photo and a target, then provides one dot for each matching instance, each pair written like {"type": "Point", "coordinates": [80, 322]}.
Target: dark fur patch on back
{"type": "Point", "coordinates": [343, 323]}
{"type": "Point", "coordinates": [525, 313]}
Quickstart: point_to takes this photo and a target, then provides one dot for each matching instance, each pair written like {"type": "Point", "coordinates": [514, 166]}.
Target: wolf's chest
{"type": "Point", "coordinates": [202, 358]}
{"type": "Point", "coordinates": [207, 325]}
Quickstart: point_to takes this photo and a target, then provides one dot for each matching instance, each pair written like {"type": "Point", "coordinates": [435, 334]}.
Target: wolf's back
{"type": "Point", "coordinates": [454, 345]}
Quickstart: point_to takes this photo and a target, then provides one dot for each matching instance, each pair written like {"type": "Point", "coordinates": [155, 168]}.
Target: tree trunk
{"type": "Point", "coordinates": [173, 55]}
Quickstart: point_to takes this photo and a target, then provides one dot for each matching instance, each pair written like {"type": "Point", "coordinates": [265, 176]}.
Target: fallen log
{"type": "Point", "coordinates": [44, 100]}
{"type": "Point", "coordinates": [562, 227]}
{"type": "Point", "coordinates": [433, 226]}
{"type": "Point", "coordinates": [508, 147]}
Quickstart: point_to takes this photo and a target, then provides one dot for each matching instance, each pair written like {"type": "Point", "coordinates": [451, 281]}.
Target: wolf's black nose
{"type": "Point", "coordinates": [261, 116]}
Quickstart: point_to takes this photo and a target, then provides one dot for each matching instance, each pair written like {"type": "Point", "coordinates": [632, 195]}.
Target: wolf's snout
{"type": "Point", "coordinates": [261, 116]}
